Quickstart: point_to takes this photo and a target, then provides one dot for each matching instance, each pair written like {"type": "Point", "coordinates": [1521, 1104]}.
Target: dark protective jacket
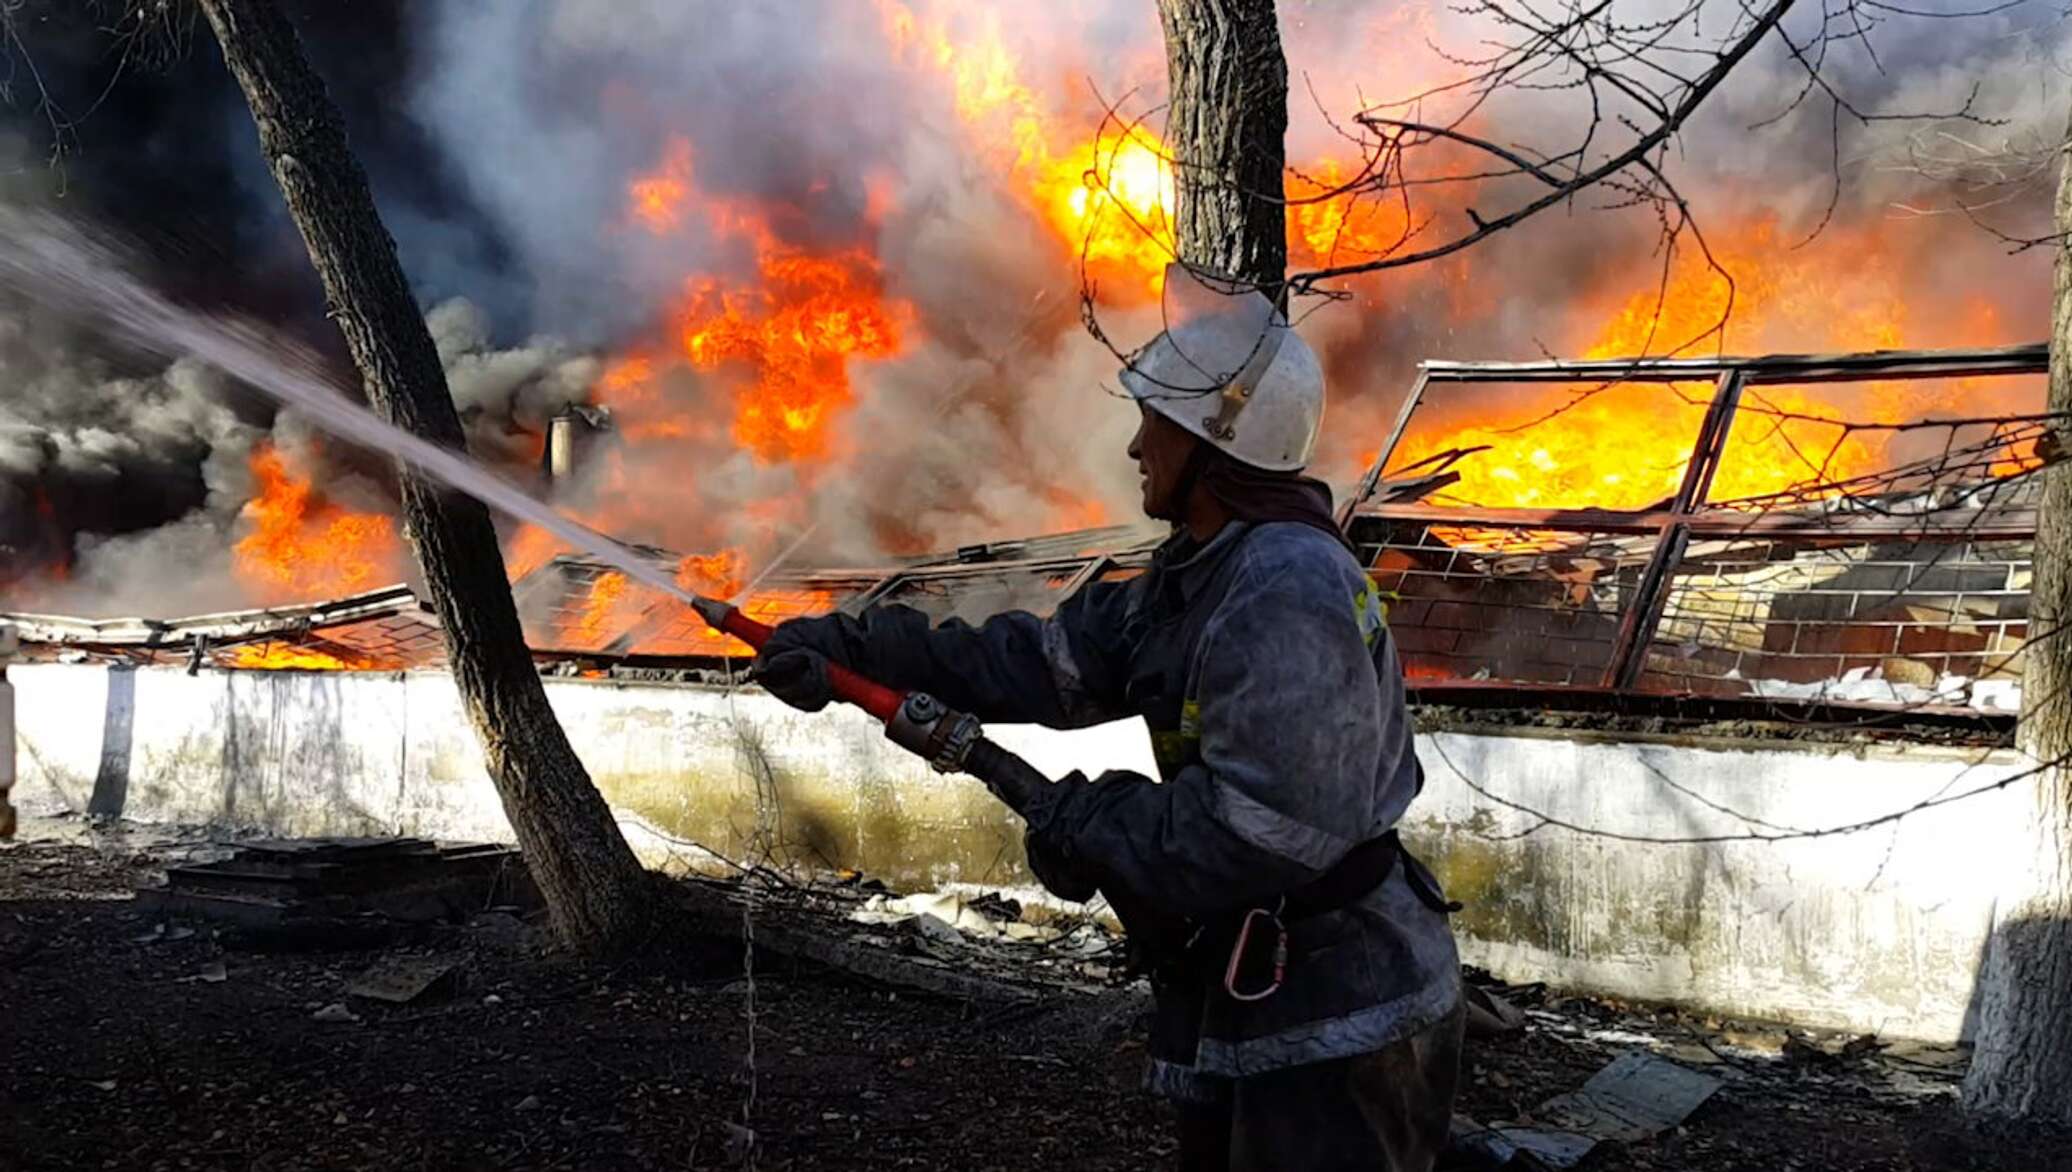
{"type": "Point", "coordinates": [1262, 665]}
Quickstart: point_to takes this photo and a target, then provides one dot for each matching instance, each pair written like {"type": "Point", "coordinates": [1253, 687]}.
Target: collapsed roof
{"type": "Point", "coordinates": [584, 613]}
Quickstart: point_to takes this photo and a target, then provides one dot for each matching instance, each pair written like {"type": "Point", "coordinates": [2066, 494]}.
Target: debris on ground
{"type": "Point", "coordinates": [1635, 1098]}
{"type": "Point", "coordinates": [1489, 1013]}
{"type": "Point", "coordinates": [406, 980]}
{"type": "Point", "coordinates": [338, 891]}
{"type": "Point", "coordinates": [1034, 1065]}
{"type": "Point", "coordinates": [986, 915]}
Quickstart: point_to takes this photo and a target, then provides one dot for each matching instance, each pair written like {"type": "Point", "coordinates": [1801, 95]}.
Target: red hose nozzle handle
{"type": "Point", "coordinates": [950, 741]}
{"type": "Point", "coordinates": [874, 698]}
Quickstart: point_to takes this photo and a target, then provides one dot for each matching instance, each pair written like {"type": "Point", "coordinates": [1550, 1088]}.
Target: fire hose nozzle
{"type": "Point", "coordinates": [712, 610]}
{"type": "Point", "coordinates": [876, 699]}
{"type": "Point", "coordinates": [950, 741]}
{"type": "Point", "coordinates": [954, 742]}
{"type": "Point", "coordinates": [925, 727]}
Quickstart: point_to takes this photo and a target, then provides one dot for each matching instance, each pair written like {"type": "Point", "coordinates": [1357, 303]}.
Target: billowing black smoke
{"type": "Point", "coordinates": [111, 464]}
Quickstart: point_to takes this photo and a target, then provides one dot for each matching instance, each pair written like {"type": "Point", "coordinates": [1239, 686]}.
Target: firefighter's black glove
{"type": "Point", "coordinates": [1063, 877]}
{"type": "Point", "coordinates": [799, 678]}
{"type": "Point", "coordinates": [1048, 846]}
{"type": "Point", "coordinates": [888, 644]}
{"type": "Point", "coordinates": [1067, 874]}
{"type": "Point", "coordinates": [792, 664]}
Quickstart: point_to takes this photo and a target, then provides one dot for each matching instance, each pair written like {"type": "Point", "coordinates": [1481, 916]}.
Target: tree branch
{"type": "Point", "coordinates": [1639, 150]}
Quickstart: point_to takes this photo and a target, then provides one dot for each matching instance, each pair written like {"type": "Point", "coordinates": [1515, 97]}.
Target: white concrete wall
{"type": "Point", "coordinates": [1879, 930]}
{"type": "Point", "coordinates": [339, 752]}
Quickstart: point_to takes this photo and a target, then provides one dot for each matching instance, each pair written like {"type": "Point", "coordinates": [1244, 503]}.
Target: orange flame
{"type": "Point", "coordinates": [1112, 198]}
{"type": "Point", "coordinates": [794, 334]}
{"type": "Point", "coordinates": [1626, 446]}
{"type": "Point", "coordinates": [303, 546]}
{"type": "Point", "coordinates": [271, 656]}
{"type": "Point", "coordinates": [1327, 226]}
{"type": "Point", "coordinates": [627, 380]}
{"type": "Point", "coordinates": [604, 613]}
{"type": "Point", "coordinates": [1108, 194]}
{"type": "Point", "coordinates": [527, 550]}
{"type": "Point", "coordinates": [612, 606]}
{"type": "Point", "coordinates": [725, 574]}
{"type": "Point", "coordinates": [790, 335]}
{"type": "Point", "coordinates": [657, 199]}
{"type": "Point", "coordinates": [1069, 512]}
{"type": "Point", "coordinates": [716, 575]}
{"type": "Point", "coordinates": [769, 607]}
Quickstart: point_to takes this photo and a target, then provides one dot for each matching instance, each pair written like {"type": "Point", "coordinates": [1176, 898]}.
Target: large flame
{"type": "Point", "coordinates": [724, 575]}
{"type": "Point", "coordinates": [1113, 197]}
{"type": "Point", "coordinates": [606, 613]}
{"type": "Point", "coordinates": [786, 336]}
{"type": "Point", "coordinates": [1102, 182]}
{"type": "Point", "coordinates": [302, 546]}
{"type": "Point", "coordinates": [717, 575]}
{"type": "Point", "coordinates": [1627, 446]}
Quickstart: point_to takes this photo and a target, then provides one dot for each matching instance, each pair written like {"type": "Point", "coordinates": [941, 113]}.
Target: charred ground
{"type": "Point", "coordinates": [133, 1049]}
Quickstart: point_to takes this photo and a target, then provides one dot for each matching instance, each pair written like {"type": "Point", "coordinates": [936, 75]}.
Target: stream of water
{"type": "Point", "coordinates": [48, 260]}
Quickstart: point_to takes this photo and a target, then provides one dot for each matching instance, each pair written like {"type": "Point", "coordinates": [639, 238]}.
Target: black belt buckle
{"type": "Point", "coordinates": [1232, 971]}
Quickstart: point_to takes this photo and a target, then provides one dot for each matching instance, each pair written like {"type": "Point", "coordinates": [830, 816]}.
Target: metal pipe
{"type": "Point", "coordinates": [10, 646]}
{"type": "Point", "coordinates": [561, 446]}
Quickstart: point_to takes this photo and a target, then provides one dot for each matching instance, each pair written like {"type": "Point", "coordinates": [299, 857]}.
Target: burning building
{"type": "Point", "coordinates": [1823, 522]}
{"type": "Point", "coordinates": [1751, 653]}
{"type": "Point", "coordinates": [1697, 601]}
{"type": "Point", "coordinates": [860, 318]}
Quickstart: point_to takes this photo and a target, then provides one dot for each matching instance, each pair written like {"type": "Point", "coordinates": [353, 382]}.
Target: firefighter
{"type": "Point", "coordinates": [1307, 992]}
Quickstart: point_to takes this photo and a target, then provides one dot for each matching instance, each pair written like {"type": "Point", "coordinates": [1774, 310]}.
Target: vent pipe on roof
{"type": "Point", "coordinates": [570, 435]}
{"type": "Point", "coordinates": [10, 646]}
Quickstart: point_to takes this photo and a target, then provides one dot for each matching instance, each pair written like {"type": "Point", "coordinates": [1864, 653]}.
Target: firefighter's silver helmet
{"type": "Point", "coordinates": [1229, 369]}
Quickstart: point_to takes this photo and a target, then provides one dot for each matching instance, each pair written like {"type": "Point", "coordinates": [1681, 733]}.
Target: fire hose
{"type": "Point", "coordinates": [950, 741]}
{"type": "Point", "coordinates": [954, 742]}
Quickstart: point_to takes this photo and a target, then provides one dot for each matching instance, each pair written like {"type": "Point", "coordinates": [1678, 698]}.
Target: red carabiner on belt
{"type": "Point", "coordinates": [1237, 955]}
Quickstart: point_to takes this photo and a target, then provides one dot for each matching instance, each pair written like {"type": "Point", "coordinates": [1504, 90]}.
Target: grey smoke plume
{"type": "Point", "coordinates": [86, 445]}
{"type": "Point", "coordinates": [81, 441]}
{"type": "Point", "coordinates": [505, 395]}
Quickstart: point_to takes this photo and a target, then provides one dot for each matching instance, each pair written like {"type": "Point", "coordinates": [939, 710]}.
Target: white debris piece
{"type": "Point", "coordinates": [1997, 695]}
{"type": "Point", "coordinates": [945, 916]}
{"type": "Point", "coordinates": [1868, 685]}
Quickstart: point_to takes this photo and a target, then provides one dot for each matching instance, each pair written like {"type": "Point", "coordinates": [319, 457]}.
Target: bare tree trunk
{"type": "Point", "coordinates": [1226, 127]}
{"type": "Point", "coordinates": [595, 889]}
{"type": "Point", "coordinates": [2022, 1066]}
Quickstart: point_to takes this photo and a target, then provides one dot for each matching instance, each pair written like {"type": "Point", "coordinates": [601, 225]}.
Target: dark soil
{"type": "Point", "coordinates": [126, 1052]}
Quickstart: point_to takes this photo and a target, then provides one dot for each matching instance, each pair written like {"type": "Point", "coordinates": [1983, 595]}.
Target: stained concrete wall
{"type": "Point", "coordinates": [1876, 930]}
